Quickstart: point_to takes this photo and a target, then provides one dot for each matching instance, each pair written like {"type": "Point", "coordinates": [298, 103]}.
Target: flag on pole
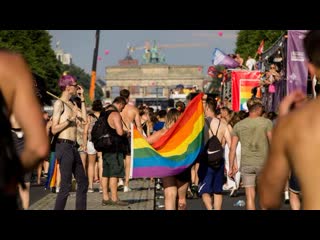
{"type": "Point", "coordinates": [260, 48]}
{"type": "Point", "coordinates": [220, 58]}
{"type": "Point", "coordinates": [176, 150]}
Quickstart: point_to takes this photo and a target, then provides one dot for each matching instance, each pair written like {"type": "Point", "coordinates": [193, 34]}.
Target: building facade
{"type": "Point", "coordinates": [64, 58]}
{"type": "Point", "coordinates": [152, 80]}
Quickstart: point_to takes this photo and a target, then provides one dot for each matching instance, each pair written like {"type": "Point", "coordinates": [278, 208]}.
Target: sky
{"type": "Point", "coordinates": [180, 47]}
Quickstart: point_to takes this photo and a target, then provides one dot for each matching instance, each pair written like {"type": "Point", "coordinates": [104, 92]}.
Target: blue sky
{"type": "Point", "coordinates": [181, 47]}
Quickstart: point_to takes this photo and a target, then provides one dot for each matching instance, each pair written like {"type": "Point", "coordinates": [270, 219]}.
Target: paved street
{"type": "Point", "coordinates": [227, 204]}
{"type": "Point", "coordinates": [140, 198]}
{"type": "Point", "coordinates": [143, 196]}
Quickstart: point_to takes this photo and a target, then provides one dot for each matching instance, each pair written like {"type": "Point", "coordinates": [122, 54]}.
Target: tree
{"type": "Point", "coordinates": [35, 46]}
{"type": "Point", "coordinates": [248, 41]}
{"type": "Point", "coordinates": [83, 79]}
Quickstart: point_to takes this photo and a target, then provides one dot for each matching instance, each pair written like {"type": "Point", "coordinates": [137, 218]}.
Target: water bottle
{"type": "Point", "coordinates": [239, 203]}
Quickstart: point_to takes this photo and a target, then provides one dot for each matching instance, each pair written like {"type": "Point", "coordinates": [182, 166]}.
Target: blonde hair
{"type": "Point", "coordinates": [171, 117]}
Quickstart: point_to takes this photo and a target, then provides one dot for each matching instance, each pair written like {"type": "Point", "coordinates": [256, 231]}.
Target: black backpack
{"type": "Point", "coordinates": [214, 150]}
{"type": "Point", "coordinates": [54, 137]}
{"type": "Point", "coordinates": [100, 134]}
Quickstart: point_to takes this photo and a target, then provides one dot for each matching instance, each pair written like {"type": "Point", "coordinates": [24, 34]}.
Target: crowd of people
{"type": "Point", "coordinates": [264, 153]}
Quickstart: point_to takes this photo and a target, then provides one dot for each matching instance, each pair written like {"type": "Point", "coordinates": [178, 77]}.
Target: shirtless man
{"type": "Point", "coordinates": [17, 89]}
{"type": "Point", "coordinates": [130, 115]}
{"type": "Point", "coordinates": [295, 142]}
{"type": "Point", "coordinates": [64, 124]}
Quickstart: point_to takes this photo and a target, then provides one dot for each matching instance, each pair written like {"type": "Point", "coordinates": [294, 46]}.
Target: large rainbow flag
{"type": "Point", "coordinates": [176, 150]}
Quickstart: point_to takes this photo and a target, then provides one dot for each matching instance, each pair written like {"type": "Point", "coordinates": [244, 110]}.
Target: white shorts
{"type": "Point", "coordinates": [90, 148]}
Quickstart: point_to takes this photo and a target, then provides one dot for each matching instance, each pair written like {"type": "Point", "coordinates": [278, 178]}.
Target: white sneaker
{"type": "Point", "coordinates": [57, 189]}
{"type": "Point", "coordinates": [126, 189]}
{"type": "Point", "coordinates": [226, 187]}
{"type": "Point", "coordinates": [120, 182]}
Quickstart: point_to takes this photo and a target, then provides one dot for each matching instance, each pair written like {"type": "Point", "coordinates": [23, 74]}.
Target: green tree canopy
{"type": "Point", "coordinates": [248, 41]}
{"type": "Point", "coordinates": [35, 46]}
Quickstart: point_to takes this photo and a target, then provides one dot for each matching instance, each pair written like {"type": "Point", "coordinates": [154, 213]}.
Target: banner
{"type": "Point", "coordinates": [176, 150]}
{"type": "Point", "coordinates": [220, 58]}
{"type": "Point", "coordinates": [297, 70]}
{"type": "Point", "coordinates": [242, 83]}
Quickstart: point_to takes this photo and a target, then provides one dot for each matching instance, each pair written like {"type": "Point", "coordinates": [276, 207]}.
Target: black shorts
{"type": "Point", "coordinates": [185, 176]}
{"type": "Point", "coordinates": [127, 146]}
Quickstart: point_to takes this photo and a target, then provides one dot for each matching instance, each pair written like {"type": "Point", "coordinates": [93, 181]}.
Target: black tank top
{"type": "Point", "coordinates": [119, 141]}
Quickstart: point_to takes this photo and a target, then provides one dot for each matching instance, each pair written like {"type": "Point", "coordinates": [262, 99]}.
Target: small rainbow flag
{"type": "Point", "coordinates": [52, 173]}
{"type": "Point", "coordinates": [176, 150]}
{"type": "Point", "coordinates": [242, 83]}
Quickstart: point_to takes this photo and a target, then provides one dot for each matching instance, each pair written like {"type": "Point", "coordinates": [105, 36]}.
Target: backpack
{"type": "Point", "coordinates": [93, 119]}
{"type": "Point", "coordinates": [54, 137]}
{"type": "Point", "coordinates": [214, 149]}
{"type": "Point", "coordinates": [100, 134]}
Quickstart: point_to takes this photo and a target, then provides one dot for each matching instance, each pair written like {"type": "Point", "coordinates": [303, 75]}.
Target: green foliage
{"type": "Point", "coordinates": [35, 46]}
{"type": "Point", "coordinates": [84, 80]}
{"type": "Point", "coordinates": [248, 41]}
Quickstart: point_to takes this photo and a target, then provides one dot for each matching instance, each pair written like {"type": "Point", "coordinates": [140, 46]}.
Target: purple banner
{"type": "Point", "coordinates": [220, 58]}
{"type": "Point", "coordinates": [297, 70]}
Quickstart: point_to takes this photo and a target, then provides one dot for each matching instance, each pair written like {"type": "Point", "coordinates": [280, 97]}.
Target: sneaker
{"type": "Point", "coordinates": [90, 190]}
{"type": "Point", "coordinates": [194, 190]}
{"type": "Point", "coordinates": [225, 187]}
{"type": "Point", "coordinates": [120, 182]}
{"type": "Point", "coordinates": [100, 190]}
{"type": "Point", "coordinates": [57, 189]}
{"type": "Point", "coordinates": [126, 189]}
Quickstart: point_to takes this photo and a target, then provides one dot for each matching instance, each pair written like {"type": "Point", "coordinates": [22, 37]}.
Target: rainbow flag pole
{"type": "Point", "coordinates": [176, 150]}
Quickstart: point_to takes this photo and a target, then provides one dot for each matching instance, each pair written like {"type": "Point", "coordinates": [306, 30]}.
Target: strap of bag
{"type": "Point", "coordinates": [208, 124]}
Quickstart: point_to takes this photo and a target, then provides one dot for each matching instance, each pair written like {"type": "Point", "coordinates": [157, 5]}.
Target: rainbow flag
{"type": "Point", "coordinates": [176, 150]}
{"type": "Point", "coordinates": [242, 83]}
{"type": "Point", "coordinates": [52, 173]}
